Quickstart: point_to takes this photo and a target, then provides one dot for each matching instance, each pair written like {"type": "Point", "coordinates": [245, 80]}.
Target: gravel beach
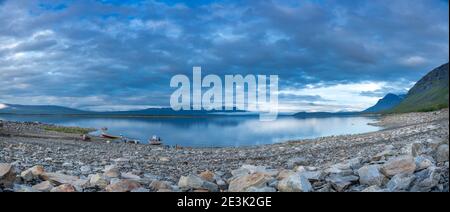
{"type": "Point", "coordinates": [410, 154]}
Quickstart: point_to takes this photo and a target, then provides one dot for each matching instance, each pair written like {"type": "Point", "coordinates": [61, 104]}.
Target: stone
{"type": "Point", "coordinates": [37, 171]}
{"type": "Point", "coordinates": [99, 181]}
{"type": "Point", "coordinates": [340, 182]}
{"type": "Point", "coordinates": [422, 162]}
{"type": "Point", "coordinates": [111, 171]}
{"type": "Point", "coordinates": [23, 189]}
{"type": "Point", "coordinates": [298, 161]}
{"type": "Point", "coordinates": [130, 176]}
{"type": "Point", "coordinates": [295, 183]}
{"type": "Point", "coordinates": [399, 165]}
{"type": "Point", "coordinates": [426, 180]}
{"type": "Point", "coordinates": [158, 185]}
{"type": "Point", "coordinates": [45, 186]}
{"type": "Point", "coordinates": [370, 175]}
{"type": "Point", "coordinates": [262, 189]}
{"type": "Point", "coordinates": [27, 176]}
{"type": "Point", "coordinates": [312, 175]}
{"type": "Point", "coordinates": [373, 189]}
{"type": "Point", "coordinates": [64, 188]}
{"type": "Point", "coordinates": [123, 186]}
{"type": "Point", "coordinates": [442, 153]}
{"type": "Point", "coordinates": [400, 182]}
{"type": "Point", "coordinates": [242, 183]}
{"type": "Point", "coordinates": [7, 175]}
{"type": "Point", "coordinates": [207, 175]}
{"type": "Point", "coordinates": [58, 179]}
{"type": "Point", "coordinates": [196, 183]}
{"type": "Point", "coordinates": [81, 184]}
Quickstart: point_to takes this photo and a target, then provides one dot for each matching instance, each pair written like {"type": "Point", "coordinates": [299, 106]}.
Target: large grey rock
{"type": "Point", "coordinates": [426, 179]}
{"type": "Point", "coordinates": [399, 165]}
{"type": "Point", "coordinates": [7, 175]}
{"type": "Point", "coordinates": [371, 175]}
{"type": "Point", "coordinates": [193, 182]}
{"type": "Point", "coordinates": [123, 186]}
{"type": "Point", "coordinates": [98, 180]}
{"type": "Point", "coordinates": [58, 179]}
{"type": "Point", "coordinates": [244, 182]}
{"type": "Point", "coordinates": [340, 183]}
{"type": "Point", "coordinates": [442, 153]}
{"type": "Point", "coordinates": [400, 182]}
{"type": "Point", "coordinates": [45, 186]}
{"type": "Point", "coordinates": [423, 162]}
{"type": "Point", "coordinates": [295, 183]}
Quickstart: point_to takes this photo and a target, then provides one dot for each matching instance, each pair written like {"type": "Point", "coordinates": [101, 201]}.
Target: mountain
{"type": "Point", "coordinates": [324, 114]}
{"type": "Point", "coordinates": [58, 110]}
{"type": "Point", "coordinates": [38, 110]}
{"type": "Point", "coordinates": [386, 103]}
{"type": "Point", "coordinates": [428, 94]}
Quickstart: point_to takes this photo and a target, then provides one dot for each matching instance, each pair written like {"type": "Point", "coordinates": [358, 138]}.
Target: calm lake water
{"type": "Point", "coordinates": [215, 132]}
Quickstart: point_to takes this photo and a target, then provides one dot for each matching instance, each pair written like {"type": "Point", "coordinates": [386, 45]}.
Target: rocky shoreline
{"type": "Point", "coordinates": [410, 154]}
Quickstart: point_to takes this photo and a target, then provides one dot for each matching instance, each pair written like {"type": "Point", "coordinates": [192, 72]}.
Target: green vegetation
{"type": "Point", "coordinates": [70, 130]}
{"type": "Point", "coordinates": [433, 99]}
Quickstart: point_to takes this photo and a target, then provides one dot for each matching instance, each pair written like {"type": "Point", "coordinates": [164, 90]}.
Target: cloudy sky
{"type": "Point", "coordinates": [330, 55]}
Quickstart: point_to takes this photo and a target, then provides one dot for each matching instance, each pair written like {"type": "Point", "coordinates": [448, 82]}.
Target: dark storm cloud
{"type": "Point", "coordinates": [109, 53]}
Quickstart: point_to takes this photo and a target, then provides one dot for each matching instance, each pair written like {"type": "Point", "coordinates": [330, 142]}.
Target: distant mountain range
{"type": "Point", "coordinates": [428, 94]}
{"type": "Point", "coordinates": [386, 103]}
{"type": "Point", "coordinates": [59, 110]}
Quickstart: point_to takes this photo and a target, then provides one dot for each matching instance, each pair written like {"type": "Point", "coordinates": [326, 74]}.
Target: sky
{"type": "Point", "coordinates": [330, 55]}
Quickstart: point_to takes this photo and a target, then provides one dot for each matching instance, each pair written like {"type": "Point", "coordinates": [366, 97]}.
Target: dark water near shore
{"type": "Point", "coordinates": [217, 131]}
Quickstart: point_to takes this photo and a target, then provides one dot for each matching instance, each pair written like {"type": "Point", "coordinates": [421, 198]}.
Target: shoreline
{"type": "Point", "coordinates": [170, 168]}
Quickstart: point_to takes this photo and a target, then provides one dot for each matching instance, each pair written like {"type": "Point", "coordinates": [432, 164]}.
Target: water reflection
{"type": "Point", "coordinates": [217, 131]}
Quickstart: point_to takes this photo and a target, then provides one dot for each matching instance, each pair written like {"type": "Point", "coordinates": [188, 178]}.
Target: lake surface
{"type": "Point", "coordinates": [215, 132]}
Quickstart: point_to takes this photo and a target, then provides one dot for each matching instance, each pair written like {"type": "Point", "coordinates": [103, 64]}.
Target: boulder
{"type": "Point", "coordinates": [123, 186]}
{"type": "Point", "coordinates": [295, 183]}
{"type": "Point", "coordinates": [111, 171]}
{"type": "Point", "coordinates": [423, 162]}
{"type": "Point", "coordinates": [244, 182]}
{"type": "Point", "coordinates": [45, 186]}
{"type": "Point", "coordinates": [64, 188]}
{"type": "Point", "coordinates": [58, 179]}
{"type": "Point", "coordinates": [340, 182]}
{"type": "Point", "coordinates": [158, 185]}
{"type": "Point", "coordinates": [23, 189]}
{"type": "Point", "coordinates": [400, 182]}
{"type": "Point", "coordinates": [207, 175]}
{"type": "Point", "coordinates": [33, 173]}
{"type": "Point", "coordinates": [370, 175]}
{"type": "Point", "coordinates": [7, 175]}
{"type": "Point", "coordinates": [442, 153]}
{"type": "Point", "coordinates": [426, 180]}
{"type": "Point", "coordinates": [399, 165]}
{"type": "Point", "coordinates": [99, 181]}
{"type": "Point", "coordinates": [193, 182]}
